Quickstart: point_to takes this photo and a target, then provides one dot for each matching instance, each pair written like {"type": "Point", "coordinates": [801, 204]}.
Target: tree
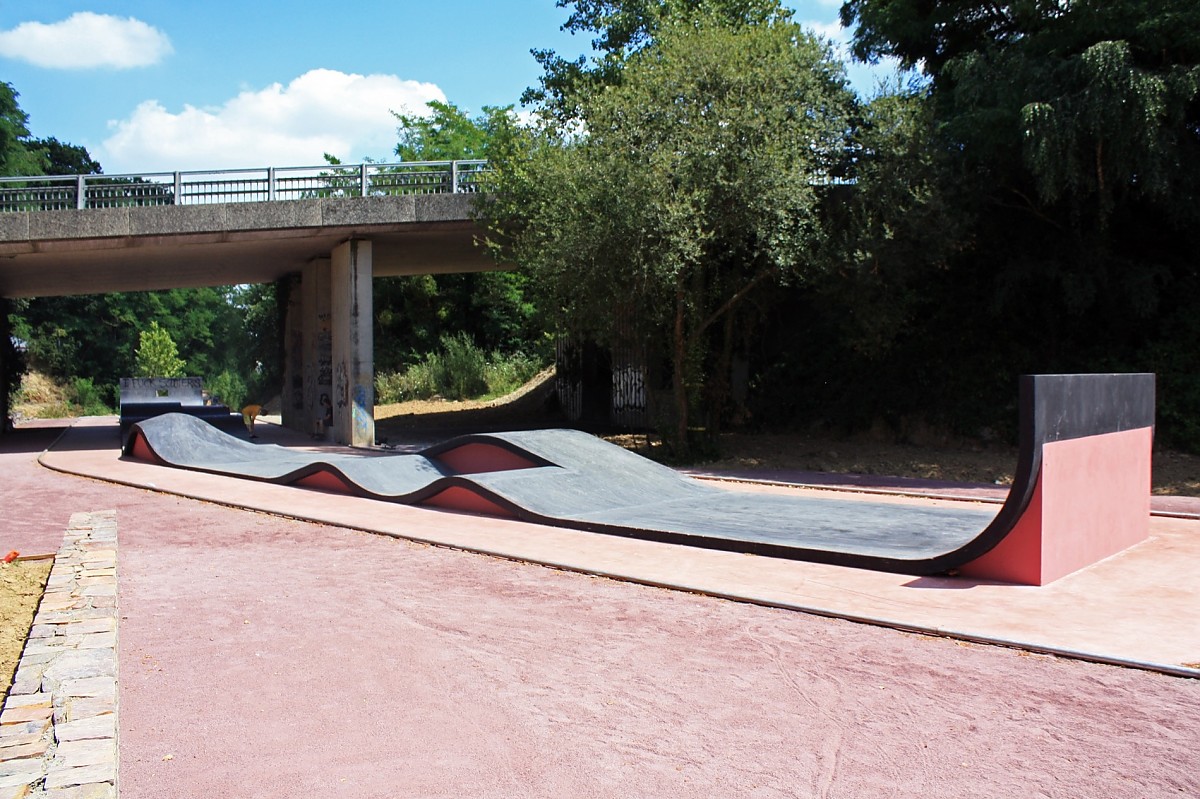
{"type": "Point", "coordinates": [414, 314]}
{"type": "Point", "coordinates": [96, 335]}
{"type": "Point", "coordinates": [157, 355]}
{"type": "Point", "coordinates": [61, 158]}
{"type": "Point", "coordinates": [692, 189]}
{"type": "Point", "coordinates": [893, 226]}
{"type": "Point", "coordinates": [1069, 136]}
{"type": "Point", "coordinates": [447, 134]}
{"type": "Point", "coordinates": [1076, 111]}
{"type": "Point", "coordinates": [621, 28]}
{"type": "Point", "coordinates": [16, 157]}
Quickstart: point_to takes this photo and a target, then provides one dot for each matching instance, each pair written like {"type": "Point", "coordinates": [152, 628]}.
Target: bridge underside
{"type": "Point", "coordinates": [54, 253]}
{"type": "Point", "coordinates": [326, 250]}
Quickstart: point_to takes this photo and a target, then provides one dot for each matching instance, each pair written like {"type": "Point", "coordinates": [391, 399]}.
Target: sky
{"type": "Point", "coordinates": [166, 85]}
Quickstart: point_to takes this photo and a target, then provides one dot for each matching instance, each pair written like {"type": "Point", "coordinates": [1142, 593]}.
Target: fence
{"type": "Point", "coordinates": [269, 184]}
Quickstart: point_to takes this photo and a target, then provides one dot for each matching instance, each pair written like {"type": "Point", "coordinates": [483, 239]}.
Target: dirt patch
{"type": "Point", "coordinates": [21, 587]}
{"type": "Point", "coordinates": [1174, 473]}
{"type": "Point", "coordinates": [530, 405]}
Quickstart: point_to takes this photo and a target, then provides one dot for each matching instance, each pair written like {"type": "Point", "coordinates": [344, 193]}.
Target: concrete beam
{"type": "Point", "coordinates": [55, 253]}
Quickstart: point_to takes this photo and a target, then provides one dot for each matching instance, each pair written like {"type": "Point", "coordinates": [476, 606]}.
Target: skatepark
{"type": "Point", "coordinates": [277, 640]}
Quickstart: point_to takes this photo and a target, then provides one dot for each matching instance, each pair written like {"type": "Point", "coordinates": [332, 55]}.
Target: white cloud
{"type": "Point", "coordinates": [321, 111]}
{"type": "Point", "coordinates": [84, 41]}
{"type": "Point", "coordinates": [866, 79]}
{"type": "Point", "coordinates": [833, 32]}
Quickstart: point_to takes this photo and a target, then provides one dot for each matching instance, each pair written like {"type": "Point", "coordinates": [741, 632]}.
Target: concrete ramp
{"type": "Point", "coordinates": [571, 479]}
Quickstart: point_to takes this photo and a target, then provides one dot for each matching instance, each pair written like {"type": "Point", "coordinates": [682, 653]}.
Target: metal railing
{"type": "Point", "coordinates": [269, 184]}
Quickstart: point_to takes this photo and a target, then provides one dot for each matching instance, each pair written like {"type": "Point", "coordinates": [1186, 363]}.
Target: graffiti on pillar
{"type": "Point", "coordinates": [296, 369]}
{"type": "Point", "coordinates": [324, 351]}
{"type": "Point", "coordinates": [341, 386]}
{"type": "Point", "coordinates": [362, 419]}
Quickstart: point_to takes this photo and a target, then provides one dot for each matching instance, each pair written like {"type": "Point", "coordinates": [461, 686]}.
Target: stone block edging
{"type": "Point", "coordinates": [58, 726]}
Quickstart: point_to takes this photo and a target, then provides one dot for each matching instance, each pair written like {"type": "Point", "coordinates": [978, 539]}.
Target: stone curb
{"type": "Point", "coordinates": [58, 726]}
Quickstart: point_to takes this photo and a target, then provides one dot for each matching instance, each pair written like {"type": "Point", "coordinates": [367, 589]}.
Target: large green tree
{"type": "Point", "coordinates": [22, 155]}
{"type": "Point", "coordinates": [446, 133]}
{"type": "Point", "coordinates": [1069, 139]}
{"type": "Point", "coordinates": [620, 28]}
{"type": "Point", "coordinates": [16, 155]}
{"type": "Point", "coordinates": [693, 185]}
{"type": "Point", "coordinates": [62, 158]}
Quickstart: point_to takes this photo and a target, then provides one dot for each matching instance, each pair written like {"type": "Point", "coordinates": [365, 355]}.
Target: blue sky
{"type": "Point", "coordinates": [151, 85]}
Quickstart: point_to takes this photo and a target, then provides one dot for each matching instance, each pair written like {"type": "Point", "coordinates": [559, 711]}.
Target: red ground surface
{"type": "Point", "coordinates": [271, 658]}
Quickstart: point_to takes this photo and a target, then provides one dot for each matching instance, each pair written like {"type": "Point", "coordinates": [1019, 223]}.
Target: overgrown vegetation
{"type": "Point", "coordinates": [42, 397]}
{"type": "Point", "coordinates": [458, 370]}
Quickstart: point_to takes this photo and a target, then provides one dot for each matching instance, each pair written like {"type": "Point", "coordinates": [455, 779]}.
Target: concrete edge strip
{"type": "Point", "coordinates": [59, 725]}
{"type": "Point", "coordinates": [938, 632]}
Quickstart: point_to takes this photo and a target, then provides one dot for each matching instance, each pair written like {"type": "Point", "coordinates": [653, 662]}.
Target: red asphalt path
{"type": "Point", "coordinates": [264, 657]}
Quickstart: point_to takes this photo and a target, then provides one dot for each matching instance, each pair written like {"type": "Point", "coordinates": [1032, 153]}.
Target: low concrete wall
{"type": "Point", "coordinates": [184, 390]}
{"type": "Point", "coordinates": [20, 230]}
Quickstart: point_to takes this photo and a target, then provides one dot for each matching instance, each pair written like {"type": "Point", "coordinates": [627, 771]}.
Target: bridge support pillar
{"type": "Point", "coordinates": [315, 365]}
{"type": "Point", "coordinates": [290, 295]}
{"type": "Point", "coordinates": [353, 344]}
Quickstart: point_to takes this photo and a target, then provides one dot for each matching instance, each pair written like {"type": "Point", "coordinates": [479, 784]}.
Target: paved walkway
{"type": "Point", "coordinates": [264, 656]}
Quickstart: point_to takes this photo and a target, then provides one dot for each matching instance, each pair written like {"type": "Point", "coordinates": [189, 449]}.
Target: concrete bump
{"type": "Point", "coordinates": [94, 751]}
{"type": "Point", "coordinates": [95, 727]}
{"type": "Point", "coordinates": [90, 791]}
{"type": "Point", "coordinates": [80, 664]}
{"type": "Point", "coordinates": [82, 775]}
{"type": "Point", "coordinates": [23, 772]}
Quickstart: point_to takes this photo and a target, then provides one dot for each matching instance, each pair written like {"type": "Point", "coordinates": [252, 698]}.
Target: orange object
{"type": "Point", "coordinates": [11, 556]}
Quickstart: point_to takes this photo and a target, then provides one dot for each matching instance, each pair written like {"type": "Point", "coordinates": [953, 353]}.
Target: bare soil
{"type": "Point", "coordinates": [21, 587]}
{"type": "Point", "coordinates": [1174, 473]}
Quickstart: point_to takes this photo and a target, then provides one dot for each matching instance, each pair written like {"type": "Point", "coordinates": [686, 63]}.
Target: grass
{"type": "Point", "coordinates": [42, 397]}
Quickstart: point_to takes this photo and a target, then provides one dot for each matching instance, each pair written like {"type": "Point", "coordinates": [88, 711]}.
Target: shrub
{"type": "Point", "coordinates": [228, 388]}
{"type": "Point", "coordinates": [415, 382]}
{"type": "Point", "coordinates": [461, 370]}
{"type": "Point", "coordinates": [458, 374]}
{"type": "Point", "coordinates": [506, 373]}
{"type": "Point", "coordinates": [88, 398]}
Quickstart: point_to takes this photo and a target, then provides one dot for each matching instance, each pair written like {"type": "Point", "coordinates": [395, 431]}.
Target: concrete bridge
{"type": "Point", "coordinates": [322, 233]}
